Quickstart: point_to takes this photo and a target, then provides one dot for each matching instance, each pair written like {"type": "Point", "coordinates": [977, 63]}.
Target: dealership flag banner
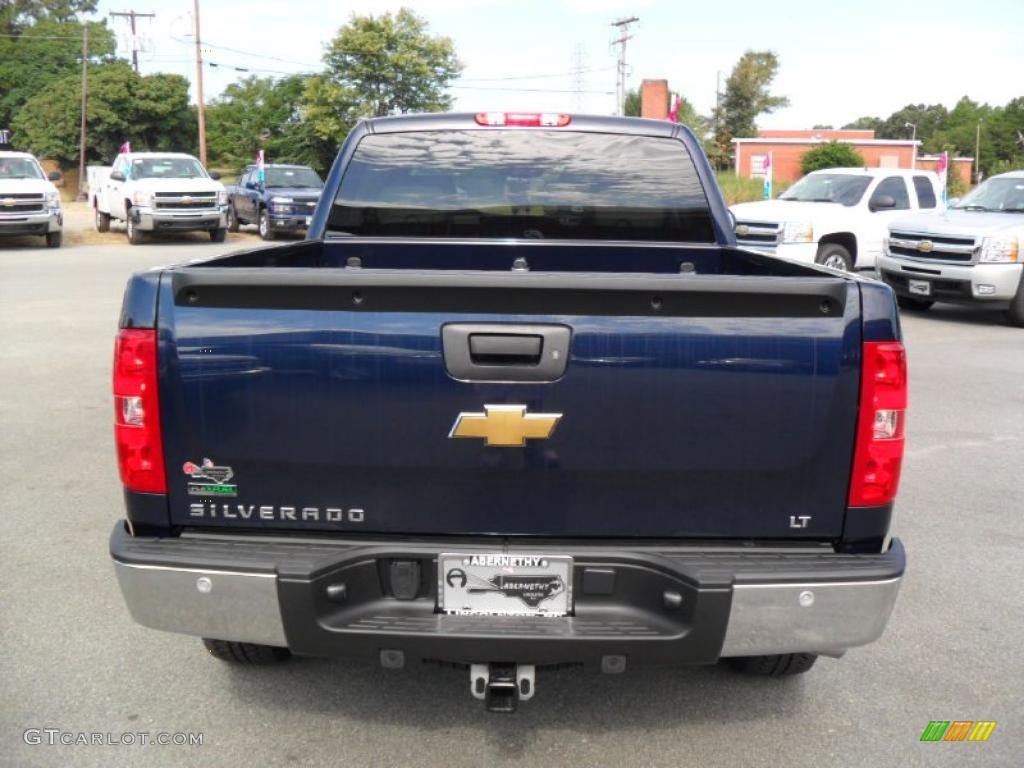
{"type": "Point", "coordinates": [768, 176]}
{"type": "Point", "coordinates": [260, 172]}
{"type": "Point", "coordinates": [673, 114]}
{"type": "Point", "coordinates": [942, 169]}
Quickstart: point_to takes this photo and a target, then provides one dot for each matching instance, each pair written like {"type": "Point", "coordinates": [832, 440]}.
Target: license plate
{"type": "Point", "coordinates": [919, 287]}
{"type": "Point", "coordinates": [505, 584]}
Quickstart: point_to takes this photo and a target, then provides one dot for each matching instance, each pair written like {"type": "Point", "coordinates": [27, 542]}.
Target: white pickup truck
{"type": "Point", "coordinates": [971, 254]}
{"type": "Point", "coordinates": [837, 217]}
{"type": "Point", "coordinates": [160, 192]}
{"type": "Point", "coordinates": [29, 203]}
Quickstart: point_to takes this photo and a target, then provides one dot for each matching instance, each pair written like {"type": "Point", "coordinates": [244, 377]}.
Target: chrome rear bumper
{"type": "Point", "coordinates": [730, 604]}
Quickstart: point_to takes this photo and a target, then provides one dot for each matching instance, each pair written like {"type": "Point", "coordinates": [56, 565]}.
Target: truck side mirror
{"type": "Point", "coordinates": [54, 176]}
{"type": "Point", "coordinates": [215, 175]}
{"type": "Point", "coordinates": [882, 202]}
{"type": "Point", "coordinates": [116, 176]}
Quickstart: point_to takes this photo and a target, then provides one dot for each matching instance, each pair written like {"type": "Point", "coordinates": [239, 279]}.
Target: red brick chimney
{"type": "Point", "coordinates": [654, 99]}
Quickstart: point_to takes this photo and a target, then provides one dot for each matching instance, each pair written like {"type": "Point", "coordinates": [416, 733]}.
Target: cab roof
{"type": "Point", "coordinates": [906, 172]}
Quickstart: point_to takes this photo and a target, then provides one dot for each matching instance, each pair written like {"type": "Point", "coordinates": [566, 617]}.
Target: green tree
{"type": "Point", "coordinates": [267, 113]}
{"type": "Point", "coordinates": [747, 96]}
{"type": "Point", "coordinates": [41, 52]}
{"type": "Point", "coordinates": [15, 15]}
{"type": "Point", "coordinates": [152, 112]}
{"type": "Point", "coordinates": [928, 118]}
{"type": "Point", "coordinates": [380, 65]}
{"type": "Point", "coordinates": [831, 154]}
{"type": "Point", "coordinates": [866, 123]}
{"type": "Point", "coordinates": [633, 105]}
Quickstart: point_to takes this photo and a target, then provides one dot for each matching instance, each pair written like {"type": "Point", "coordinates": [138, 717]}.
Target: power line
{"type": "Point", "coordinates": [132, 15]}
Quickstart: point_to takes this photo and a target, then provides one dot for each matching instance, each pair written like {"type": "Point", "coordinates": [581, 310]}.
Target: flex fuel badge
{"type": "Point", "coordinates": [207, 479]}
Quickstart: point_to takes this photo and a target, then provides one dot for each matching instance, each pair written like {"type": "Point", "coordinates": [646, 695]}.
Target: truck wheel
{"type": "Point", "coordinates": [134, 235]}
{"type": "Point", "coordinates": [245, 653]}
{"type": "Point", "coordinates": [776, 665]}
{"type": "Point", "coordinates": [54, 239]}
{"type": "Point", "coordinates": [266, 231]}
{"type": "Point", "coordinates": [1015, 314]}
{"type": "Point", "coordinates": [218, 235]}
{"type": "Point", "coordinates": [232, 219]}
{"type": "Point", "coordinates": [917, 305]}
{"type": "Point", "coordinates": [834, 255]}
{"type": "Point", "coordinates": [102, 221]}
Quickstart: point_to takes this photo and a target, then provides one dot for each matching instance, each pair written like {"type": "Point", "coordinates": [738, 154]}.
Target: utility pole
{"type": "Point", "coordinates": [132, 15]}
{"type": "Point", "coordinates": [718, 98]}
{"type": "Point", "coordinates": [620, 87]}
{"type": "Point", "coordinates": [85, 91]}
{"type": "Point", "coordinates": [977, 153]}
{"type": "Point", "coordinates": [201, 111]}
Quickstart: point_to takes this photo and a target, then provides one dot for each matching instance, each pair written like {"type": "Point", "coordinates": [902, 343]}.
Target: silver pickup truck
{"type": "Point", "coordinates": [29, 203]}
{"type": "Point", "coordinates": [971, 254]}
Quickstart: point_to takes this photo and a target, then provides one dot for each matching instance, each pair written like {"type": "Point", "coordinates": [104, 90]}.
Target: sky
{"type": "Point", "coordinates": [838, 60]}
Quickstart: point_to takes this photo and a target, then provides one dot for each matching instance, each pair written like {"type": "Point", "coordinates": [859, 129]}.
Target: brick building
{"type": "Point", "coordinates": [787, 148]}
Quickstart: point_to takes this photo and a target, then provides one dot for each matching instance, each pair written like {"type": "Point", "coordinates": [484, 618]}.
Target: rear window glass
{"type": "Point", "coordinates": [522, 184]}
{"type": "Point", "coordinates": [925, 193]}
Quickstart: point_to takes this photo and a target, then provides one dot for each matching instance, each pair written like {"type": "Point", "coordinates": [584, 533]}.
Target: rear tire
{"type": "Point", "coordinates": [54, 239]}
{"type": "Point", "coordinates": [834, 255]}
{"type": "Point", "coordinates": [102, 221]}
{"type": "Point", "coordinates": [218, 235]}
{"type": "Point", "coordinates": [249, 654]}
{"type": "Point", "coordinates": [233, 223]}
{"type": "Point", "coordinates": [1015, 314]}
{"type": "Point", "coordinates": [915, 305]}
{"type": "Point", "coordinates": [266, 231]}
{"type": "Point", "coordinates": [775, 665]}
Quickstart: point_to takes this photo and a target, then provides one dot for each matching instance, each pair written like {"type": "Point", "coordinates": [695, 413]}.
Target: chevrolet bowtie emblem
{"type": "Point", "coordinates": [742, 230]}
{"type": "Point", "coordinates": [8, 202]}
{"type": "Point", "coordinates": [505, 426]}
{"type": "Point", "coordinates": [926, 246]}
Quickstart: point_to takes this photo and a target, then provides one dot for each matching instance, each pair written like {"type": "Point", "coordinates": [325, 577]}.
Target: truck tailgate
{"type": "Point", "coordinates": [691, 406]}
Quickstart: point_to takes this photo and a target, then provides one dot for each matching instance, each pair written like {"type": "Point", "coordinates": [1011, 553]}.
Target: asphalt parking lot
{"type": "Point", "coordinates": [72, 659]}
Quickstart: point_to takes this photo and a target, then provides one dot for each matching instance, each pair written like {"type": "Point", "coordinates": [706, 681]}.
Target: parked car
{"type": "Point", "coordinates": [521, 404]}
{"type": "Point", "coordinates": [837, 217]}
{"type": "Point", "coordinates": [29, 202]}
{"type": "Point", "coordinates": [161, 192]}
{"type": "Point", "coordinates": [971, 254]}
{"type": "Point", "coordinates": [283, 201]}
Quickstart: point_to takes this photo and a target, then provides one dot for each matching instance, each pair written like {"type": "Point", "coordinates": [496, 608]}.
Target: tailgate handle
{"type": "Point", "coordinates": [505, 351]}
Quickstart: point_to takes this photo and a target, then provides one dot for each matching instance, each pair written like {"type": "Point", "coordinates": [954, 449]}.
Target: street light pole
{"type": "Point", "coordinates": [913, 138]}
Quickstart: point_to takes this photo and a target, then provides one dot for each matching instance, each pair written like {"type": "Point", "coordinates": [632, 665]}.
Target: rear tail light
{"type": "Point", "coordinates": [528, 119]}
{"type": "Point", "coordinates": [140, 450]}
{"type": "Point", "coordinates": [881, 421]}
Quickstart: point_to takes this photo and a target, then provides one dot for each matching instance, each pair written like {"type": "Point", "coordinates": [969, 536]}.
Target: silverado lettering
{"type": "Point", "coordinates": [246, 512]}
{"type": "Point", "coordinates": [678, 451]}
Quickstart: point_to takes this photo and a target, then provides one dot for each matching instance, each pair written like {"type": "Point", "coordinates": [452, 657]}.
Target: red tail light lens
{"type": "Point", "coordinates": [878, 455]}
{"type": "Point", "coordinates": [528, 119]}
{"type": "Point", "coordinates": [140, 448]}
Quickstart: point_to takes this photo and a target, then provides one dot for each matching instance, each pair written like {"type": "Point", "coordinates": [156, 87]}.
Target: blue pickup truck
{"type": "Point", "coordinates": [281, 199]}
{"type": "Point", "coordinates": [518, 402]}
